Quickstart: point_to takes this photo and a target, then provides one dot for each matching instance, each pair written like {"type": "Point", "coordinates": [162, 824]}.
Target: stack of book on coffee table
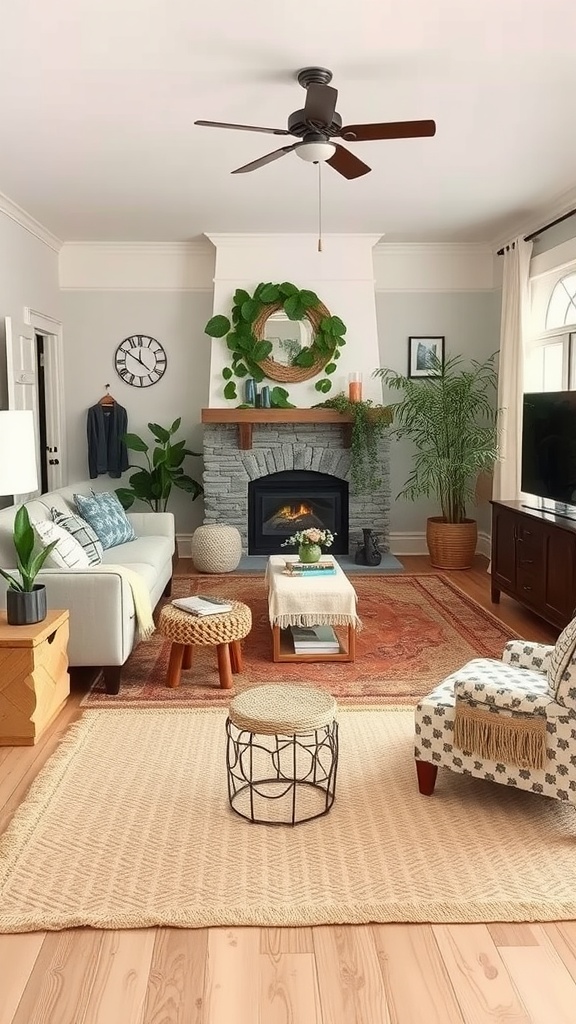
{"type": "Point", "coordinates": [315, 640]}
{"type": "Point", "coordinates": [324, 567]}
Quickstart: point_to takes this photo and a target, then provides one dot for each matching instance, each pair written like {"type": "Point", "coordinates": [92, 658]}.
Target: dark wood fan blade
{"type": "Point", "coordinates": [389, 130]}
{"type": "Point", "coordinates": [243, 127]}
{"type": "Point", "coordinates": [320, 104]}
{"type": "Point", "coordinates": [347, 164]}
{"type": "Point", "coordinates": [255, 164]}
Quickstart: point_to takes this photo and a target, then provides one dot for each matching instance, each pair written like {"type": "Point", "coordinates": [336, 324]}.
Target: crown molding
{"type": "Point", "coordinates": [229, 239]}
{"type": "Point", "coordinates": [434, 248]}
{"type": "Point", "coordinates": [17, 214]}
{"type": "Point", "coordinates": [137, 248]}
{"type": "Point", "coordinates": [555, 207]}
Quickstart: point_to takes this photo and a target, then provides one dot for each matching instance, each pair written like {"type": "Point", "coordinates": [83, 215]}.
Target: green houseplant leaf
{"type": "Point", "coordinates": [217, 326]}
{"type": "Point", "coordinates": [29, 565]}
{"type": "Point", "coordinates": [451, 418]}
{"type": "Point", "coordinates": [152, 484]}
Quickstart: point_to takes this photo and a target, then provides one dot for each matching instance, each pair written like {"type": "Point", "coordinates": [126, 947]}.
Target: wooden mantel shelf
{"type": "Point", "coordinates": [246, 418]}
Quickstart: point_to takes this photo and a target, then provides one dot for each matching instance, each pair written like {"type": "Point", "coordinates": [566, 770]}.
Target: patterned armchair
{"type": "Point", "coordinates": [511, 721]}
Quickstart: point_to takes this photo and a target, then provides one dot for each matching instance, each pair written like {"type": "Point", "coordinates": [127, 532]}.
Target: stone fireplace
{"type": "Point", "coordinates": [316, 453]}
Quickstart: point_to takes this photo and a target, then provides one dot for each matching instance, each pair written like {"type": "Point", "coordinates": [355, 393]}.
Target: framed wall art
{"type": "Point", "coordinates": [423, 354]}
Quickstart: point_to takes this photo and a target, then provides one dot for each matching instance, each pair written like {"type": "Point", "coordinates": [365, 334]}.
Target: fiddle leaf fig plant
{"type": "Point", "coordinates": [153, 483]}
{"type": "Point", "coordinates": [248, 351]}
{"type": "Point", "coordinates": [29, 564]}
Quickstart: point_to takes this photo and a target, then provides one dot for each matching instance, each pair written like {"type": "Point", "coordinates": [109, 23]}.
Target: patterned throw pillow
{"type": "Point", "coordinates": [82, 532]}
{"type": "Point", "coordinates": [561, 674]}
{"type": "Point", "coordinates": [107, 518]}
{"type": "Point", "coordinates": [68, 554]}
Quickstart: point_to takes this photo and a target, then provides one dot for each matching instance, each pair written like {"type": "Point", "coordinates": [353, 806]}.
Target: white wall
{"type": "Point", "coordinates": [342, 275]}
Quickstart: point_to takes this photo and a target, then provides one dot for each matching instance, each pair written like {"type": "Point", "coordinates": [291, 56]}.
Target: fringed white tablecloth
{"type": "Point", "coordinates": [309, 601]}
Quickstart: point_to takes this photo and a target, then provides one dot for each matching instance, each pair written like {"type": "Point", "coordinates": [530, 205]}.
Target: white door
{"type": "Point", "coordinates": [23, 379]}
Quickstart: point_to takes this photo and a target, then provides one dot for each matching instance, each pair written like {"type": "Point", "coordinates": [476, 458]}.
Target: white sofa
{"type": "Point", "coordinates": [102, 617]}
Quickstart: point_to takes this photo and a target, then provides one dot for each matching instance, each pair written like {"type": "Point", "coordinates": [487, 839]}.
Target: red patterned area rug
{"type": "Point", "coordinates": [417, 629]}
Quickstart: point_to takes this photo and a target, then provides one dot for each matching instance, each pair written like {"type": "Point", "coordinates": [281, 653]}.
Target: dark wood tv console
{"type": "Point", "coordinates": [534, 560]}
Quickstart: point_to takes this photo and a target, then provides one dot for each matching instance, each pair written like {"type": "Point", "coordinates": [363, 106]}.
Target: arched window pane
{"type": "Point", "coordinates": [562, 306]}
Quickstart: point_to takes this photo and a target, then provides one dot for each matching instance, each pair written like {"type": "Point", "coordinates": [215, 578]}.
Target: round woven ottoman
{"type": "Point", "coordinates": [223, 630]}
{"type": "Point", "coordinates": [216, 548]}
{"type": "Point", "coordinates": [282, 754]}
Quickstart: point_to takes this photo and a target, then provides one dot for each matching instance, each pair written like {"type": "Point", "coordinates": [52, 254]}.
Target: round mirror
{"type": "Point", "coordinates": [288, 337]}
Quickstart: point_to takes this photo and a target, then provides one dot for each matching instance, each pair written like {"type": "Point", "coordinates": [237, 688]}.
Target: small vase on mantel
{"type": "Point", "coordinates": [309, 552]}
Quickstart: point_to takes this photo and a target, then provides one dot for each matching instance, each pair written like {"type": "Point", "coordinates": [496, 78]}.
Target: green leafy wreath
{"type": "Point", "coordinates": [251, 353]}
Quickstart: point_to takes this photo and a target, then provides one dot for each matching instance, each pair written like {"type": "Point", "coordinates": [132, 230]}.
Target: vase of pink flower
{"type": "Point", "coordinates": [310, 543]}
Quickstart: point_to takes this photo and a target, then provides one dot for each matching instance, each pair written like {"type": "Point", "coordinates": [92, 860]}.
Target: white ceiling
{"type": "Point", "coordinates": [98, 100]}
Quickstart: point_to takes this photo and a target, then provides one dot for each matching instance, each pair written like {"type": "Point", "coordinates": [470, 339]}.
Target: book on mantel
{"type": "Point", "coordinates": [320, 639]}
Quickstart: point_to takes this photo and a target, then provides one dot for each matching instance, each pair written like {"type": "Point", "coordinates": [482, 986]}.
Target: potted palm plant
{"type": "Point", "coordinates": [451, 419]}
{"type": "Point", "coordinates": [25, 599]}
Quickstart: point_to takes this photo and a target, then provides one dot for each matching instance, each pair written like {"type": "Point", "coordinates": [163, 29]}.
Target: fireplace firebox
{"type": "Point", "coordinates": [282, 503]}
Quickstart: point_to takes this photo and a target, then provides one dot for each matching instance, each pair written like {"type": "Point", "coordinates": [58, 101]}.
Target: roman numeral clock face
{"type": "Point", "coordinates": [140, 360]}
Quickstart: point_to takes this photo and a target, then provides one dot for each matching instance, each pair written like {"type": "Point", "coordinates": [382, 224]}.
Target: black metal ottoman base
{"type": "Point", "coordinates": [281, 780]}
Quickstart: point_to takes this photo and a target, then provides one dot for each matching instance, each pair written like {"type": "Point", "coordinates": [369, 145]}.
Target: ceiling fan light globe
{"type": "Point", "coordinates": [313, 152]}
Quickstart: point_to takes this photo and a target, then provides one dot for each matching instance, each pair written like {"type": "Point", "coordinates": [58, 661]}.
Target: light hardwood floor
{"type": "Point", "coordinates": [379, 974]}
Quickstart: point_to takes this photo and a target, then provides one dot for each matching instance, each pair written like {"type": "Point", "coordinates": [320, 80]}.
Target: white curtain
{"type": "Point", "coordinates": [515, 298]}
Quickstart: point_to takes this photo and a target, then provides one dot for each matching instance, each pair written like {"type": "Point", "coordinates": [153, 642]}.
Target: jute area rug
{"type": "Point", "coordinates": [417, 630]}
{"type": "Point", "coordinates": [128, 826]}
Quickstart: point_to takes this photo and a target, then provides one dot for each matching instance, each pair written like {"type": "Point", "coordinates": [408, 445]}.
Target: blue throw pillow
{"type": "Point", "coordinates": [107, 518]}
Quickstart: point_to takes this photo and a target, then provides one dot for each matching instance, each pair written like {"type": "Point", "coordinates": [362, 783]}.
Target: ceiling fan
{"type": "Point", "coordinates": [318, 124]}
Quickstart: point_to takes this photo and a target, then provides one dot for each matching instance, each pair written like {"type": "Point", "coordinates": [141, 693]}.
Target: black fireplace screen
{"type": "Point", "coordinates": [282, 503]}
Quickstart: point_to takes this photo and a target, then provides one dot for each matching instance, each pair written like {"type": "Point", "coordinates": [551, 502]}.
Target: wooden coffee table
{"type": "Point", "coordinates": [329, 600]}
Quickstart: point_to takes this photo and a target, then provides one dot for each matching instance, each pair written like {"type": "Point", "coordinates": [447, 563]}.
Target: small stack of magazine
{"type": "Point", "coordinates": [321, 568]}
{"type": "Point", "coordinates": [315, 640]}
{"type": "Point", "coordinates": [202, 604]}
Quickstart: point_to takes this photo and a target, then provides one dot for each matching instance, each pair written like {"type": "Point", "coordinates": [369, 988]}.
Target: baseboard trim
{"type": "Point", "coordinates": [400, 544]}
{"type": "Point", "coordinates": [184, 545]}
{"type": "Point", "coordinates": [414, 543]}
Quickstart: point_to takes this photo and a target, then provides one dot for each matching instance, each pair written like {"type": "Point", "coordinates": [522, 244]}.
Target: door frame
{"type": "Point", "coordinates": [51, 330]}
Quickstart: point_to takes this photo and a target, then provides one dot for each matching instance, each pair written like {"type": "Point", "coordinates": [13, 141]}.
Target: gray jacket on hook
{"type": "Point", "coordinates": [107, 453]}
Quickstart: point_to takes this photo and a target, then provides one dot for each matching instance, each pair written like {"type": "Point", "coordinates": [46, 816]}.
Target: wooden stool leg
{"type": "Point", "coordinates": [236, 655]}
{"type": "Point", "coordinates": [187, 657]}
{"type": "Point", "coordinates": [426, 772]}
{"type": "Point", "coordinates": [175, 665]}
{"type": "Point", "coordinates": [224, 666]}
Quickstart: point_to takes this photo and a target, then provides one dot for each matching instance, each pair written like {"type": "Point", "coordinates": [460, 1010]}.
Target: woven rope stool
{"type": "Point", "coordinates": [216, 547]}
{"type": "Point", "coordinates": [223, 630]}
{"type": "Point", "coordinates": [282, 754]}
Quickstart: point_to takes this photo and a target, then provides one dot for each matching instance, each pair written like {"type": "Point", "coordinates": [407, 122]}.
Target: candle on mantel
{"type": "Point", "coordinates": [355, 387]}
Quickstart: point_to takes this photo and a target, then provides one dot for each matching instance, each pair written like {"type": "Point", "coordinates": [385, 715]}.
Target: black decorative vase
{"type": "Point", "coordinates": [24, 607]}
{"type": "Point", "coordinates": [368, 552]}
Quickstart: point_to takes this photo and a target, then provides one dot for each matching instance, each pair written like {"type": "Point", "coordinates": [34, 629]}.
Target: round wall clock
{"type": "Point", "coordinates": [140, 360]}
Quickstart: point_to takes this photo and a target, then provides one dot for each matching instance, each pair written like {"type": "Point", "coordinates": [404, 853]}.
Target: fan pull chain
{"type": "Point", "coordinates": [319, 206]}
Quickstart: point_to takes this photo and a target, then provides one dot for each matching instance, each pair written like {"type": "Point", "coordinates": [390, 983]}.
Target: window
{"type": "Point", "coordinates": [550, 355]}
{"type": "Point", "coordinates": [562, 305]}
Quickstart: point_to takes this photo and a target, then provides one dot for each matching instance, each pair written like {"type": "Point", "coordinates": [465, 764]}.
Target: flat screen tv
{"type": "Point", "coordinates": [549, 446]}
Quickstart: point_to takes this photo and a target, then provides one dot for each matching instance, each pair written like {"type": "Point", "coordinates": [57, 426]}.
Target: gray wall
{"type": "Point", "coordinates": [95, 323]}
{"type": "Point", "coordinates": [470, 322]}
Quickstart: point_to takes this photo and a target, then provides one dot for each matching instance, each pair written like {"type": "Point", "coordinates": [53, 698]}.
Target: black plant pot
{"type": "Point", "coordinates": [23, 607]}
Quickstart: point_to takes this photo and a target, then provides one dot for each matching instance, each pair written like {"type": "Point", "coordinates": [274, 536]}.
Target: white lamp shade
{"type": "Point", "coordinates": [316, 152]}
{"type": "Point", "coordinates": [18, 472]}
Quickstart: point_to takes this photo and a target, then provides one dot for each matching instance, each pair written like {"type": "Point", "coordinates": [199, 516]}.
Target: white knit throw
{"type": "Point", "coordinates": [140, 596]}
{"type": "Point", "coordinates": [309, 601]}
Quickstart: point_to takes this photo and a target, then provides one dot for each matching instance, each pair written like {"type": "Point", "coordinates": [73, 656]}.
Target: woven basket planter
{"type": "Point", "coordinates": [451, 545]}
{"type": "Point", "coordinates": [216, 547]}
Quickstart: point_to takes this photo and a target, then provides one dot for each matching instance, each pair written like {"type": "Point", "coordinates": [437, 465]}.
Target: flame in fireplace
{"type": "Point", "coordinates": [290, 513]}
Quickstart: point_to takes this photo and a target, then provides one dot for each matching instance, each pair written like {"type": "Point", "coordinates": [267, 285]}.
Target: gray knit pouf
{"type": "Point", "coordinates": [216, 548]}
